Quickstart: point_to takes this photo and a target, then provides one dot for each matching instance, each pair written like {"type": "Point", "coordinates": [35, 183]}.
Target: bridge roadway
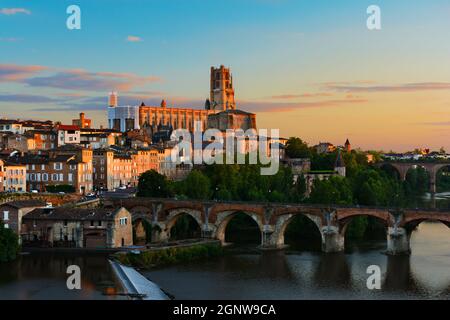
{"type": "Point", "coordinates": [273, 218]}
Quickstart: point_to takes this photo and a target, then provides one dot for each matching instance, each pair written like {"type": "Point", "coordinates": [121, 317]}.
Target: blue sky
{"type": "Point", "coordinates": [286, 56]}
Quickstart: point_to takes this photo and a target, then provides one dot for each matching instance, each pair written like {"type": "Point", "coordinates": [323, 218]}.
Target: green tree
{"type": "Point", "coordinates": [296, 148]}
{"type": "Point", "coordinates": [9, 244]}
{"type": "Point", "coordinates": [197, 185]}
{"type": "Point", "coordinates": [300, 189]}
{"type": "Point", "coordinates": [335, 190]}
{"type": "Point", "coordinates": [153, 184]}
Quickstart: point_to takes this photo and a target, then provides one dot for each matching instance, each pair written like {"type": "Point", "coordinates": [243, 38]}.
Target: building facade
{"type": "Point", "coordinates": [82, 122]}
{"type": "Point", "coordinates": [177, 118]}
{"type": "Point", "coordinates": [15, 177]}
{"type": "Point", "coordinates": [43, 139]}
{"type": "Point", "coordinates": [68, 135]}
{"type": "Point", "coordinates": [11, 213]}
{"type": "Point", "coordinates": [103, 169]}
{"type": "Point", "coordinates": [80, 228]}
{"type": "Point", "coordinates": [69, 165]}
{"type": "Point", "coordinates": [123, 118]}
{"type": "Point", "coordinates": [232, 119]}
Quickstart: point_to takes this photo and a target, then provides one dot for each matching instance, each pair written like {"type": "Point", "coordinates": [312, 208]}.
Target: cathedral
{"type": "Point", "coordinates": [219, 111]}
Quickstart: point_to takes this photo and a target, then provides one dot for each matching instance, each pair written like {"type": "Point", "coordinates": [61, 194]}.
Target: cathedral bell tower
{"type": "Point", "coordinates": [221, 89]}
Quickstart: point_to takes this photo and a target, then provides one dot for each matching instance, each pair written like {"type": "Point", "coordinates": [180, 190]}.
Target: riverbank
{"type": "Point", "coordinates": [168, 255]}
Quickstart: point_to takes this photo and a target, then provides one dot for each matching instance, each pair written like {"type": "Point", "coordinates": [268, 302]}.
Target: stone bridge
{"type": "Point", "coordinates": [431, 167]}
{"type": "Point", "coordinates": [273, 218]}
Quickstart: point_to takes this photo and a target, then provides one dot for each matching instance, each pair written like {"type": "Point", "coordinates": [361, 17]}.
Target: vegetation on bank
{"type": "Point", "coordinates": [166, 256]}
{"type": "Point", "coordinates": [364, 184]}
{"type": "Point", "coordinates": [9, 244]}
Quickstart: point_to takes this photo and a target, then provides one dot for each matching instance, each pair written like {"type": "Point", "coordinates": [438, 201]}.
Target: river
{"type": "Point", "coordinates": [42, 276]}
{"type": "Point", "coordinates": [271, 275]}
{"type": "Point", "coordinates": [308, 275]}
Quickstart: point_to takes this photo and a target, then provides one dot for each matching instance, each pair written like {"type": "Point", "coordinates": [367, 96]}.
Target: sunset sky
{"type": "Point", "coordinates": [310, 68]}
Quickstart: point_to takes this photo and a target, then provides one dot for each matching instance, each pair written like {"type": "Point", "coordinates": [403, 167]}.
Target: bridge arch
{"type": "Point", "coordinates": [411, 223]}
{"type": "Point", "coordinates": [175, 214]}
{"type": "Point", "coordinates": [278, 236]}
{"type": "Point", "coordinates": [389, 168]}
{"type": "Point", "coordinates": [441, 169]}
{"type": "Point", "coordinates": [344, 220]}
{"type": "Point", "coordinates": [142, 230]}
{"type": "Point", "coordinates": [431, 168]}
{"type": "Point", "coordinates": [350, 241]}
{"type": "Point", "coordinates": [223, 219]}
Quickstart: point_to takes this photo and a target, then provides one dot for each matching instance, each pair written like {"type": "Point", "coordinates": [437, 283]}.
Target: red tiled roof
{"type": "Point", "coordinates": [68, 127]}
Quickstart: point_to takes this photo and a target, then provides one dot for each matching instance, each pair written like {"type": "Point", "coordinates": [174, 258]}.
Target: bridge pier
{"type": "Point", "coordinates": [159, 235]}
{"type": "Point", "coordinates": [332, 240]}
{"type": "Point", "coordinates": [398, 241]}
{"type": "Point", "coordinates": [207, 231]}
{"type": "Point", "coordinates": [270, 240]}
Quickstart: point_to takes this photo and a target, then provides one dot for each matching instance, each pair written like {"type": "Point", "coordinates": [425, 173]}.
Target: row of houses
{"type": "Point", "coordinates": [82, 168]}
{"type": "Point", "coordinates": [37, 140]}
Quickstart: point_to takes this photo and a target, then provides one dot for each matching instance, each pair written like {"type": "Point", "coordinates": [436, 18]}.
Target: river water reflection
{"type": "Point", "coordinates": [43, 276]}
{"type": "Point", "coordinates": [304, 275]}
{"type": "Point", "coordinates": [273, 275]}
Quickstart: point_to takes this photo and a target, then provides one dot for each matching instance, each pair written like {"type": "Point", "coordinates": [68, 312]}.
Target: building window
{"type": "Point", "coordinates": [65, 223]}
{"type": "Point", "coordinates": [6, 226]}
{"type": "Point", "coordinates": [5, 215]}
{"type": "Point", "coordinates": [100, 223]}
{"type": "Point", "coordinates": [123, 221]}
{"type": "Point", "coordinates": [92, 223]}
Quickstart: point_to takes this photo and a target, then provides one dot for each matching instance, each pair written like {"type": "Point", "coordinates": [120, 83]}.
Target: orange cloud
{"type": "Point", "coordinates": [12, 72]}
{"type": "Point", "coordinates": [133, 39]}
{"type": "Point", "coordinates": [91, 81]}
{"type": "Point", "coordinates": [73, 79]}
{"type": "Point", "coordinates": [256, 106]}
{"type": "Point", "coordinates": [303, 95]}
{"type": "Point", "coordinates": [406, 87]}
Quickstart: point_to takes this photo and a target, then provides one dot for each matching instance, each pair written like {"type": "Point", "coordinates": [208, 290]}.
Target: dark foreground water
{"type": "Point", "coordinates": [43, 276]}
{"type": "Point", "coordinates": [276, 275]}
{"type": "Point", "coordinates": [296, 275]}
